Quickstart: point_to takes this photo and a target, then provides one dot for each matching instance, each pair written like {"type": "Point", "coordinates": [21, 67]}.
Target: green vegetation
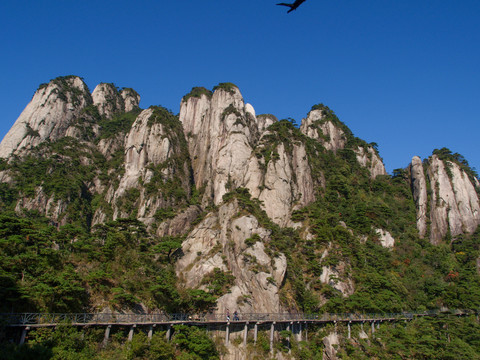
{"type": "Point", "coordinates": [69, 343]}
{"type": "Point", "coordinates": [228, 87]}
{"type": "Point", "coordinates": [197, 92]}
{"type": "Point", "coordinates": [57, 260]}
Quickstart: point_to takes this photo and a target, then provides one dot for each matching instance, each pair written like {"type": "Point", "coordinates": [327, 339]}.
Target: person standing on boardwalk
{"type": "Point", "coordinates": [228, 315]}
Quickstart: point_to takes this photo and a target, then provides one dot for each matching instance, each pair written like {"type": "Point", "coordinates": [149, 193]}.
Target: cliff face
{"type": "Point", "coordinates": [50, 115]}
{"type": "Point", "coordinates": [225, 140]}
{"type": "Point", "coordinates": [110, 101]}
{"type": "Point", "coordinates": [419, 190]}
{"type": "Point", "coordinates": [322, 125]}
{"type": "Point", "coordinates": [98, 158]}
{"type": "Point", "coordinates": [454, 205]}
{"type": "Point", "coordinates": [225, 241]}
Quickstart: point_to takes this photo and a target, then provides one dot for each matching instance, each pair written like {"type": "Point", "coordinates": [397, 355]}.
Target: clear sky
{"type": "Point", "coordinates": [402, 73]}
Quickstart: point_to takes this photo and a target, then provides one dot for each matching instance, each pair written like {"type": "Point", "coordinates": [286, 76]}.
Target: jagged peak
{"type": "Point", "coordinates": [111, 100]}
{"type": "Point", "coordinates": [67, 83]}
{"type": "Point", "coordinates": [49, 115]}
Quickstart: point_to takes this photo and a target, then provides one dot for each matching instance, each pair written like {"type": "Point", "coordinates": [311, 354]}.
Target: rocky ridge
{"type": "Point", "coordinates": [173, 173]}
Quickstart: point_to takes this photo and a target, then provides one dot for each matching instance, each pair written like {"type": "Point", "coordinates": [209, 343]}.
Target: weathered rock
{"type": "Point", "coordinates": [386, 239]}
{"type": "Point", "coordinates": [131, 99]}
{"type": "Point", "coordinates": [46, 205]}
{"type": "Point", "coordinates": [419, 190]}
{"type": "Point", "coordinates": [153, 151]}
{"type": "Point", "coordinates": [336, 277]}
{"type": "Point", "coordinates": [454, 206]}
{"type": "Point", "coordinates": [222, 133]}
{"type": "Point", "coordinates": [330, 342]}
{"type": "Point", "coordinates": [181, 223]}
{"type": "Point", "coordinates": [50, 115]}
{"type": "Point", "coordinates": [370, 159]}
{"type": "Point", "coordinates": [287, 184]}
{"type": "Point", "coordinates": [264, 121]}
{"type": "Point", "coordinates": [219, 242]}
{"type": "Point", "coordinates": [108, 100]}
{"type": "Point", "coordinates": [317, 127]}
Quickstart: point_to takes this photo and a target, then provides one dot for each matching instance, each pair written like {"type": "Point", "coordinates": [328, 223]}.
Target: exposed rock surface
{"type": "Point", "coordinates": [280, 192]}
{"type": "Point", "coordinates": [131, 99]}
{"type": "Point", "coordinates": [110, 101]}
{"type": "Point", "coordinates": [370, 159]}
{"type": "Point", "coordinates": [222, 134]}
{"type": "Point", "coordinates": [454, 205]}
{"type": "Point", "coordinates": [50, 115]}
{"type": "Point", "coordinates": [386, 239]}
{"type": "Point", "coordinates": [153, 151]}
{"type": "Point", "coordinates": [180, 224]}
{"type": "Point", "coordinates": [219, 242]}
{"type": "Point", "coordinates": [317, 127]}
{"type": "Point", "coordinates": [330, 341]}
{"type": "Point", "coordinates": [419, 190]}
{"type": "Point", "coordinates": [335, 277]}
{"type": "Point", "coordinates": [264, 121]}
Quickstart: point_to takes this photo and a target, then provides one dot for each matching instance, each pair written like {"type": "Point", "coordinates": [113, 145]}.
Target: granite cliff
{"type": "Point", "coordinates": [253, 199]}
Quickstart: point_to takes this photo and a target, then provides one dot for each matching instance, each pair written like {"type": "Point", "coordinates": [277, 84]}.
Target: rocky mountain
{"type": "Point", "coordinates": [449, 203]}
{"type": "Point", "coordinates": [247, 212]}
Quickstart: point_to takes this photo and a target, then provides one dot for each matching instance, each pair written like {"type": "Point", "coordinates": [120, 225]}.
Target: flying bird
{"type": "Point", "coordinates": [293, 6]}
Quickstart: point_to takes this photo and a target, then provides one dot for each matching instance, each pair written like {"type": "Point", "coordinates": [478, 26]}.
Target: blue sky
{"type": "Point", "coordinates": [402, 73]}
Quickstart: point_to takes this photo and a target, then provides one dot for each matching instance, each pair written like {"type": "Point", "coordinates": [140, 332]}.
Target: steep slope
{"type": "Point", "coordinates": [324, 126]}
{"type": "Point", "coordinates": [227, 146]}
{"type": "Point", "coordinates": [247, 211]}
{"type": "Point", "coordinates": [454, 205]}
{"type": "Point", "coordinates": [51, 115]}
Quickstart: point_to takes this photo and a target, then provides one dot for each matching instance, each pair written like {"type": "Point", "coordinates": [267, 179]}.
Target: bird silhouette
{"type": "Point", "coordinates": [293, 6]}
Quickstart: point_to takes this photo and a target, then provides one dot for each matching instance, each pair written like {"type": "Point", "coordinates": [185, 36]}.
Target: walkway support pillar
{"type": "Point", "coordinates": [349, 330]}
{"type": "Point", "coordinates": [373, 327]}
{"type": "Point", "coordinates": [272, 332]}
{"type": "Point", "coordinates": [245, 334]}
{"type": "Point", "coordinates": [130, 333]}
{"type": "Point", "coordinates": [107, 334]}
{"type": "Point", "coordinates": [24, 334]}
{"type": "Point", "coordinates": [227, 334]}
{"type": "Point", "coordinates": [150, 331]}
{"type": "Point", "coordinates": [168, 334]}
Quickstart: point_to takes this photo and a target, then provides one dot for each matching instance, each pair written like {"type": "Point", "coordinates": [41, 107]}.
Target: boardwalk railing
{"type": "Point", "coordinates": [46, 319]}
